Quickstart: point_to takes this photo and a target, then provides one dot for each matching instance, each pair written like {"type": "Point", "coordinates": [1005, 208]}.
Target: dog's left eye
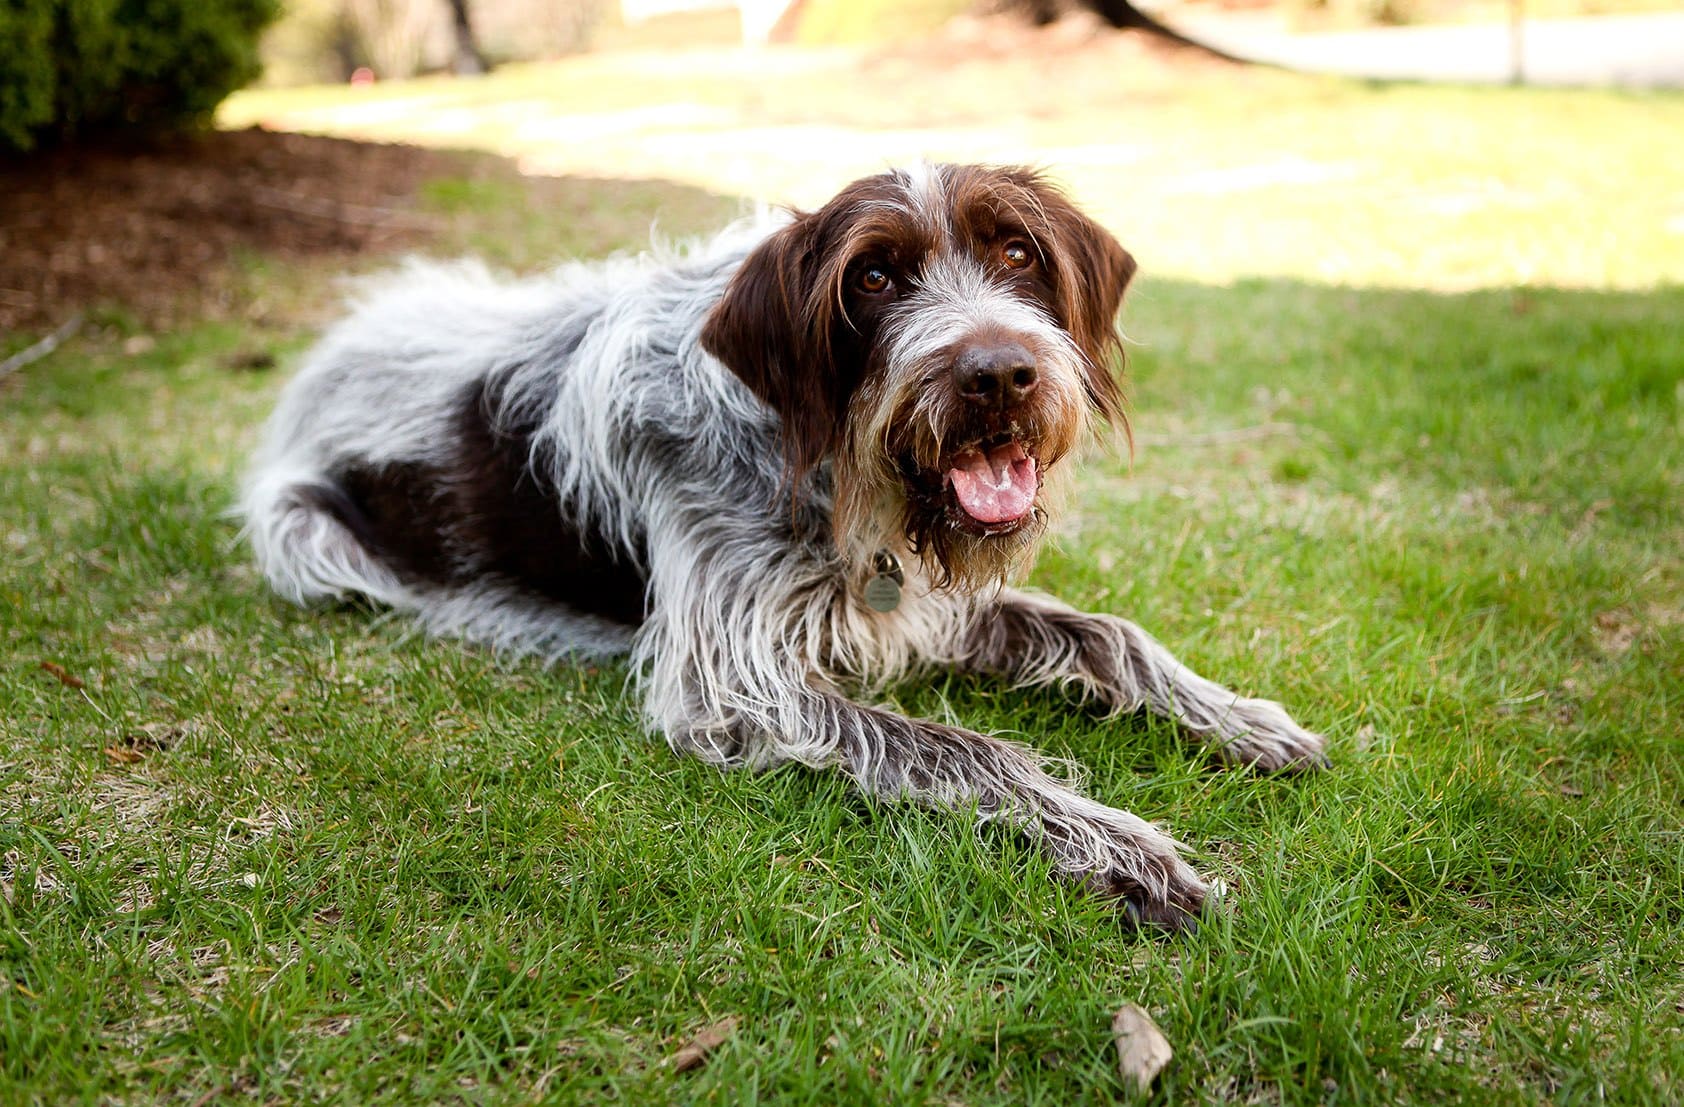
{"type": "Point", "coordinates": [873, 279]}
{"type": "Point", "coordinates": [1016, 255]}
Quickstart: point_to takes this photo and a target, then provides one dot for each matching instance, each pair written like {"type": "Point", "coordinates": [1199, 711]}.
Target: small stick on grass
{"type": "Point", "coordinates": [63, 675]}
{"type": "Point", "coordinates": [41, 349]}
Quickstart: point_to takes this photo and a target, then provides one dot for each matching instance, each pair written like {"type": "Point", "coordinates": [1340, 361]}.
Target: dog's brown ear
{"type": "Point", "coordinates": [1092, 271]}
{"type": "Point", "coordinates": [773, 332]}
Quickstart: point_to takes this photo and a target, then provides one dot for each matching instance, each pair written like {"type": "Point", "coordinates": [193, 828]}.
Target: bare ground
{"type": "Point", "coordinates": [158, 229]}
{"type": "Point", "coordinates": [154, 228]}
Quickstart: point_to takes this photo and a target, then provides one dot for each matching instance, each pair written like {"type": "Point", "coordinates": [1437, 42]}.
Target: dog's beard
{"type": "Point", "coordinates": [971, 496]}
{"type": "Point", "coordinates": [965, 559]}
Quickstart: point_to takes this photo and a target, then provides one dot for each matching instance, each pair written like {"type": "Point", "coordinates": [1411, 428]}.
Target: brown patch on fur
{"type": "Point", "coordinates": [784, 325]}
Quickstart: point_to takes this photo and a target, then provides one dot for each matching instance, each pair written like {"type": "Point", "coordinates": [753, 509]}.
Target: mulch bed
{"type": "Point", "coordinates": [155, 227]}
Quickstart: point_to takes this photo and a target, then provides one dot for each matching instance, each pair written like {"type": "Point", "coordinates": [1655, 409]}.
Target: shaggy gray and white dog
{"type": "Point", "coordinates": [800, 460]}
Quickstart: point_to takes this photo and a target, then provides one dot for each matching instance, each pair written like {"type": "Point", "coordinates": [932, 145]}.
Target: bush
{"type": "Point", "coordinates": [69, 67]}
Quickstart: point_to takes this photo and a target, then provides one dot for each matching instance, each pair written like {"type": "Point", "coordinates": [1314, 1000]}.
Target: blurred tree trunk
{"type": "Point", "coordinates": [468, 61]}
{"type": "Point", "coordinates": [1123, 14]}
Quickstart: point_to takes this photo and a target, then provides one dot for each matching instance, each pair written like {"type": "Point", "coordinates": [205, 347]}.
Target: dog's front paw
{"type": "Point", "coordinates": [1174, 904]}
{"type": "Point", "coordinates": [1260, 733]}
{"type": "Point", "coordinates": [1150, 881]}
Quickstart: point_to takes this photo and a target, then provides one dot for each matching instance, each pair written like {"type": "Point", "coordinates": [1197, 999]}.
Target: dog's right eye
{"type": "Point", "coordinates": [873, 279]}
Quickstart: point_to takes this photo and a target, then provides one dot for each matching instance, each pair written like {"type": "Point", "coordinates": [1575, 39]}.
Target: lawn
{"type": "Point", "coordinates": [1409, 460]}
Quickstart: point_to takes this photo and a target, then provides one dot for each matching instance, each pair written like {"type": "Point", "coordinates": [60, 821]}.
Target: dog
{"type": "Point", "coordinates": [778, 470]}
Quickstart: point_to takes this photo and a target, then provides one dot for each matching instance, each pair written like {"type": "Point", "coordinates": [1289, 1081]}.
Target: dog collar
{"type": "Point", "coordinates": [883, 587]}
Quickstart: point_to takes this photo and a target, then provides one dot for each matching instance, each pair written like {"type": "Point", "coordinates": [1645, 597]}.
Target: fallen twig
{"type": "Point", "coordinates": [63, 675]}
{"type": "Point", "coordinates": [41, 349]}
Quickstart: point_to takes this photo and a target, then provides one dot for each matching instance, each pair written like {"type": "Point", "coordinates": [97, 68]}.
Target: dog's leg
{"type": "Point", "coordinates": [736, 676]}
{"type": "Point", "coordinates": [1112, 851]}
{"type": "Point", "coordinates": [900, 759]}
{"type": "Point", "coordinates": [1037, 640]}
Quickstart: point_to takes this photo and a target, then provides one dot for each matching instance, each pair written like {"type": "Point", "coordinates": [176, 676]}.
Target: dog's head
{"type": "Point", "coordinates": [943, 334]}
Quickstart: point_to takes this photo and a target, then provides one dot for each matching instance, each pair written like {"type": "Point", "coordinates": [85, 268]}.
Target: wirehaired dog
{"type": "Point", "coordinates": [802, 459]}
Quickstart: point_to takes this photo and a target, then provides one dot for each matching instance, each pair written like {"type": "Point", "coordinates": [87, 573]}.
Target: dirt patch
{"type": "Point", "coordinates": [155, 228]}
{"type": "Point", "coordinates": [163, 231]}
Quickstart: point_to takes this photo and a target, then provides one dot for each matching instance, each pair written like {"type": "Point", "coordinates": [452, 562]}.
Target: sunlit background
{"type": "Point", "coordinates": [1206, 168]}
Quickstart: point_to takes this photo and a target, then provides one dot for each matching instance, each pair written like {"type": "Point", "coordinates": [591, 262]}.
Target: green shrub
{"type": "Point", "coordinates": [27, 70]}
{"type": "Point", "coordinates": [70, 67]}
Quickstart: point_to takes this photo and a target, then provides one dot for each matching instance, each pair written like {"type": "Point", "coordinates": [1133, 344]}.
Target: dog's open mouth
{"type": "Point", "coordinates": [992, 484]}
{"type": "Point", "coordinates": [988, 487]}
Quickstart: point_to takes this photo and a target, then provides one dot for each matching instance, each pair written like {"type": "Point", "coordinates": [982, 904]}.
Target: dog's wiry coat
{"type": "Point", "coordinates": [696, 460]}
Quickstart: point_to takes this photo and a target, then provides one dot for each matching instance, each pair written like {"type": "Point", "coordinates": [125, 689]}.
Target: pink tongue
{"type": "Point", "coordinates": [996, 487]}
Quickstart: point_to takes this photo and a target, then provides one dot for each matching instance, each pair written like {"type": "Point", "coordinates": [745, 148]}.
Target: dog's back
{"type": "Point", "coordinates": [462, 447]}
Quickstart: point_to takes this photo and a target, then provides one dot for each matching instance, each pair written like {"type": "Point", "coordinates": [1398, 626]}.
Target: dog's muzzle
{"type": "Point", "coordinates": [994, 480]}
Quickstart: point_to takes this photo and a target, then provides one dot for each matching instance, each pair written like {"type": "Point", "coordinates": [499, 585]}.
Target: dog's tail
{"type": "Point", "coordinates": [302, 528]}
{"type": "Point", "coordinates": [314, 545]}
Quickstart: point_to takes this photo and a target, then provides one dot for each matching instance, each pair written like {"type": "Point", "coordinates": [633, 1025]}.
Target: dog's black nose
{"type": "Point", "coordinates": [1000, 374]}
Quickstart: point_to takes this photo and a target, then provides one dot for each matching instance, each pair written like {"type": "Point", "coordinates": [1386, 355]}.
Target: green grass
{"type": "Point", "coordinates": [273, 855]}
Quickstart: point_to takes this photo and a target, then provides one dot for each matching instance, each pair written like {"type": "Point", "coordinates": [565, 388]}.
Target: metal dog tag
{"type": "Point", "coordinates": [882, 591]}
